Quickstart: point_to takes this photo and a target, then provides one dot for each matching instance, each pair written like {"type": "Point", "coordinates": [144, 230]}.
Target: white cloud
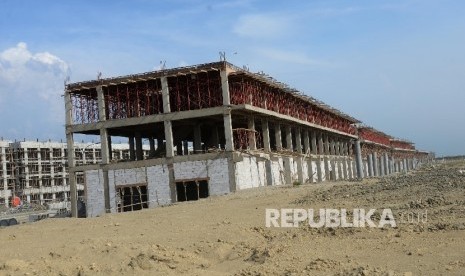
{"type": "Point", "coordinates": [32, 84]}
{"type": "Point", "coordinates": [262, 25]}
{"type": "Point", "coordinates": [23, 72]}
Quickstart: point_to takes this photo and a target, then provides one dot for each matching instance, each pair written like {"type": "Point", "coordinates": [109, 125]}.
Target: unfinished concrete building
{"type": "Point", "coordinates": [37, 172]}
{"type": "Point", "coordinates": [212, 129]}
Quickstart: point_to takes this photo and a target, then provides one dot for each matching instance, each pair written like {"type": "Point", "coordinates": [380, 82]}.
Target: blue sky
{"type": "Point", "coordinates": [396, 65]}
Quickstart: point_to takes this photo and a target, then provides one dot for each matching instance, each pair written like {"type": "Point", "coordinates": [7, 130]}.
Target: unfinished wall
{"type": "Point", "coordinates": [250, 172]}
{"type": "Point", "coordinates": [158, 185]}
{"type": "Point", "coordinates": [95, 195]}
{"type": "Point", "coordinates": [216, 170]}
{"type": "Point", "coordinates": [277, 170]}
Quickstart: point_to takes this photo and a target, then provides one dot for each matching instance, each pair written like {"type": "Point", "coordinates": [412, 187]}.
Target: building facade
{"type": "Point", "coordinates": [212, 129]}
{"type": "Point", "coordinates": [37, 172]}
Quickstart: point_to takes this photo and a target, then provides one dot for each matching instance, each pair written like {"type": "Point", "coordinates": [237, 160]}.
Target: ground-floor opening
{"type": "Point", "coordinates": [132, 198]}
{"type": "Point", "coordinates": [192, 190]}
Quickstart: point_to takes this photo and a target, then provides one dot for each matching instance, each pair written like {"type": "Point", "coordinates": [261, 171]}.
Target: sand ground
{"type": "Point", "coordinates": [227, 235]}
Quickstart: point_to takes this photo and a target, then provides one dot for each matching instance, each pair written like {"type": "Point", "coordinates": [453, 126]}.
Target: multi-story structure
{"type": "Point", "coordinates": [37, 172]}
{"type": "Point", "coordinates": [218, 128]}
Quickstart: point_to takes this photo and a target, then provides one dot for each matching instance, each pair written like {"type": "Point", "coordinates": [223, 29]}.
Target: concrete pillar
{"type": "Point", "coordinates": [289, 145]}
{"type": "Point", "coordinates": [197, 139]}
{"type": "Point", "coordinates": [381, 167]}
{"type": "Point", "coordinates": [313, 142]}
{"type": "Point", "coordinates": [306, 137]}
{"type": "Point", "coordinates": [225, 87]}
{"type": "Point", "coordinates": [298, 140]}
{"type": "Point", "coordinates": [266, 135]}
{"type": "Point", "coordinates": [105, 149]}
{"type": "Point", "coordinates": [185, 146]}
{"type": "Point", "coordinates": [132, 148]}
{"type": "Point", "coordinates": [228, 134]}
{"type": "Point", "coordinates": [344, 160]}
{"type": "Point", "coordinates": [152, 146]}
{"type": "Point", "coordinates": [370, 171]}
{"type": "Point", "coordinates": [179, 148]}
{"type": "Point", "coordinates": [326, 157]}
{"type": "Point", "coordinates": [386, 164]}
{"type": "Point", "coordinates": [319, 169]}
{"type": "Point", "coordinates": [139, 151]}
{"type": "Point", "coordinates": [277, 135]}
{"type": "Point", "coordinates": [165, 93]}
{"type": "Point", "coordinates": [227, 120]}
{"type": "Point", "coordinates": [332, 160]}
{"type": "Point", "coordinates": [251, 134]}
{"type": "Point", "coordinates": [375, 164]}
{"type": "Point", "coordinates": [169, 138]}
{"type": "Point", "coordinates": [308, 156]}
{"type": "Point", "coordinates": [358, 159]}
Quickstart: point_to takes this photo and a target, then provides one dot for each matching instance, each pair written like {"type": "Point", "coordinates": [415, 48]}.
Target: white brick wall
{"type": "Point", "coordinates": [158, 185]}
{"type": "Point", "coordinates": [129, 176]}
{"type": "Point", "coordinates": [323, 172]}
{"type": "Point", "coordinates": [315, 173]}
{"type": "Point", "coordinates": [278, 172]}
{"type": "Point", "coordinates": [250, 173]}
{"type": "Point", "coordinates": [95, 196]}
{"type": "Point", "coordinates": [216, 170]}
{"type": "Point", "coordinates": [305, 170]}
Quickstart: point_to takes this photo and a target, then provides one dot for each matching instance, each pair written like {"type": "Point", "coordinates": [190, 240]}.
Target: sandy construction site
{"type": "Point", "coordinates": [227, 235]}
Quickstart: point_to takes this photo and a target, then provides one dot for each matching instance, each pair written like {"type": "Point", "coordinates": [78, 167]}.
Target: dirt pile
{"type": "Point", "coordinates": [227, 235]}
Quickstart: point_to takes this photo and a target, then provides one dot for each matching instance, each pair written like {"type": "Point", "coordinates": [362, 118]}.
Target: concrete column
{"type": "Point", "coordinates": [358, 159]}
{"type": "Point", "coordinates": [306, 138]}
{"type": "Point", "coordinates": [227, 120]}
{"type": "Point", "coordinates": [326, 157]}
{"type": "Point", "coordinates": [298, 140]}
{"type": "Point", "coordinates": [185, 146]}
{"type": "Point", "coordinates": [375, 164]}
{"type": "Point", "coordinates": [251, 134]}
{"type": "Point", "coordinates": [289, 145]}
{"type": "Point", "coordinates": [105, 149]}
{"type": "Point", "coordinates": [228, 134]}
{"type": "Point", "coordinates": [225, 88]}
{"type": "Point", "coordinates": [169, 139]}
{"type": "Point", "coordinates": [5, 179]}
{"type": "Point", "coordinates": [313, 142]}
{"type": "Point", "coordinates": [132, 148]}
{"type": "Point", "coordinates": [308, 155]}
{"type": "Point", "coordinates": [197, 139]}
{"type": "Point", "coordinates": [266, 135]}
{"type": "Point", "coordinates": [165, 95]}
{"type": "Point", "coordinates": [344, 160]}
{"type": "Point", "coordinates": [370, 171]}
{"type": "Point", "coordinates": [381, 167]}
{"type": "Point", "coordinates": [386, 164]}
{"type": "Point", "coordinates": [139, 151]}
{"type": "Point", "coordinates": [277, 135]}
{"type": "Point", "coordinates": [319, 169]}
{"type": "Point", "coordinates": [332, 160]}
{"type": "Point", "coordinates": [152, 146]}
{"type": "Point", "coordinates": [179, 148]}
